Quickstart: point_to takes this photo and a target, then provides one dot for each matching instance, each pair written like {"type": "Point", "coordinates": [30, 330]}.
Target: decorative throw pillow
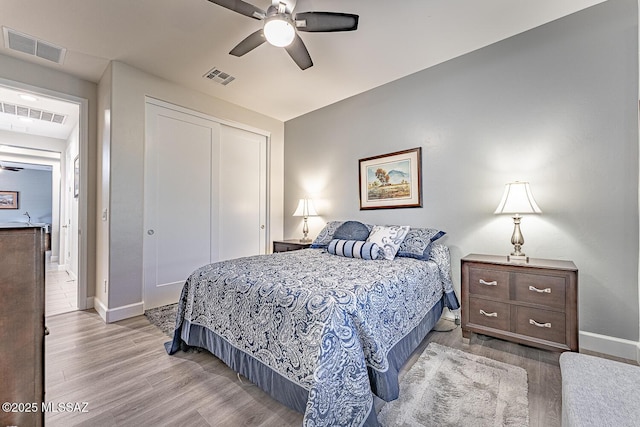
{"type": "Point", "coordinates": [388, 238]}
{"type": "Point", "coordinates": [354, 249]}
{"type": "Point", "coordinates": [417, 243]}
{"type": "Point", "coordinates": [326, 234]}
{"type": "Point", "coordinates": [352, 230]}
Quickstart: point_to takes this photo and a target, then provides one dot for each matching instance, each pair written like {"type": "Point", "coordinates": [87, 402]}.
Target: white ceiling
{"type": "Point", "coordinates": [16, 123]}
{"type": "Point", "coordinates": [181, 40]}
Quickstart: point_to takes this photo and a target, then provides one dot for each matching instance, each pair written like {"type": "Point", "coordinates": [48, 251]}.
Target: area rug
{"type": "Point", "coordinates": [164, 318]}
{"type": "Point", "coordinates": [449, 387]}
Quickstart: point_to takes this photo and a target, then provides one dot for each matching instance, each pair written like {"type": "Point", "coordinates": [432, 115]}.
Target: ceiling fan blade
{"type": "Point", "coordinates": [326, 21]}
{"type": "Point", "coordinates": [242, 8]}
{"type": "Point", "coordinates": [247, 45]}
{"type": "Point", "coordinates": [299, 53]}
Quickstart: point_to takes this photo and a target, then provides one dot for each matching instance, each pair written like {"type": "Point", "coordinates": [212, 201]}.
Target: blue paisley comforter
{"type": "Point", "coordinates": [320, 321]}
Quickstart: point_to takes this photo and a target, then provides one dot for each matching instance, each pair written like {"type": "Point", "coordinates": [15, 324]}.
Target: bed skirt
{"type": "Point", "coordinates": [385, 385]}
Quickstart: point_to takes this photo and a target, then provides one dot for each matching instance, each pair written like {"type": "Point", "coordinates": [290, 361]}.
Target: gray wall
{"type": "Point", "coordinates": [556, 106]}
{"type": "Point", "coordinates": [35, 188]}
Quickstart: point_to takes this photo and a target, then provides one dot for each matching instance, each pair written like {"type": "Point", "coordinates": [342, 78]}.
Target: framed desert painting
{"type": "Point", "coordinates": [391, 180]}
{"type": "Point", "coordinates": [8, 200]}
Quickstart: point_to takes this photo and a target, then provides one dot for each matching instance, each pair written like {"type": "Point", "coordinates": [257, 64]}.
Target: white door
{"type": "Point", "coordinates": [190, 172]}
{"type": "Point", "coordinates": [243, 193]}
{"type": "Point", "coordinates": [178, 184]}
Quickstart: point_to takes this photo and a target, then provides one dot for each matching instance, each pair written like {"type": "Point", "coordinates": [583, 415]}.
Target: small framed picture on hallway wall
{"type": "Point", "coordinates": [9, 200]}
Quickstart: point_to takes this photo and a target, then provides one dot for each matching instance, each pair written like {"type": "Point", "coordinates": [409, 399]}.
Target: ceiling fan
{"type": "Point", "coordinates": [281, 27]}
{"type": "Point", "coordinates": [10, 168]}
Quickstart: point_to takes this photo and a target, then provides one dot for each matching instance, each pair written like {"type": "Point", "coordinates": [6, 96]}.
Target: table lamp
{"type": "Point", "coordinates": [305, 209]}
{"type": "Point", "coordinates": [517, 199]}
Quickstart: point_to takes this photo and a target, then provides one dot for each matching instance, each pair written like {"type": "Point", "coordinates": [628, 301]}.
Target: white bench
{"type": "Point", "coordinates": [599, 392]}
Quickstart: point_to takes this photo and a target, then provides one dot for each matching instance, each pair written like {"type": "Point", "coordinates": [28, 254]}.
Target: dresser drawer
{"type": "Point", "coordinates": [489, 283]}
{"type": "Point", "coordinates": [544, 324]}
{"type": "Point", "coordinates": [539, 289]}
{"type": "Point", "coordinates": [489, 313]}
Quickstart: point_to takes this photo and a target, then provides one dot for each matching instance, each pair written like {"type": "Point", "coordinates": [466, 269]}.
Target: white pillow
{"type": "Point", "coordinates": [388, 238]}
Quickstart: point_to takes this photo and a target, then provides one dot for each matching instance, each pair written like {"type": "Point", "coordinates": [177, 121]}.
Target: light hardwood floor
{"type": "Point", "coordinates": [60, 290]}
{"type": "Point", "coordinates": [126, 377]}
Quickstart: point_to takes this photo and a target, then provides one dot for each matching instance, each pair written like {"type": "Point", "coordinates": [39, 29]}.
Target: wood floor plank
{"type": "Point", "coordinates": [550, 407]}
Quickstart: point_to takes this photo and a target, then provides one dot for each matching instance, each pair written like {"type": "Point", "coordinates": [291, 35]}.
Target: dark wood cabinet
{"type": "Point", "coordinates": [22, 328]}
{"type": "Point", "coordinates": [289, 245]}
{"type": "Point", "coordinates": [532, 303]}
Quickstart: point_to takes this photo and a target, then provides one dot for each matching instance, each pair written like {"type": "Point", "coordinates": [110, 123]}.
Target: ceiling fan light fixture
{"type": "Point", "coordinates": [279, 31]}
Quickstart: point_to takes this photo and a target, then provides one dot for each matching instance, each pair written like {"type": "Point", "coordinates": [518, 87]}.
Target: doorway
{"type": "Point", "coordinates": [35, 176]}
{"type": "Point", "coordinates": [44, 129]}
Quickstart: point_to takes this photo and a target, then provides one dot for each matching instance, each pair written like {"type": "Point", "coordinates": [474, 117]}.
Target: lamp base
{"type": "Point", "coordinates": [305, 240]}
{"type": "Point", "coordinates": [518, 258]}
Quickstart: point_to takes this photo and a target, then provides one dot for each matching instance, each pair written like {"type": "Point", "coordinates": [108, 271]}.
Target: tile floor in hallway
{"type": "Point", "coordinates": [60, 291]}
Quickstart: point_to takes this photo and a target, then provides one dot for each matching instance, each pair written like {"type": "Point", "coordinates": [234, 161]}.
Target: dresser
{"type": "Point", "coordinates": [22, 328]}
{"type": "Point", "coordinates": [289, 245]}
{"type": "Point", "coordinates": [532, 303]}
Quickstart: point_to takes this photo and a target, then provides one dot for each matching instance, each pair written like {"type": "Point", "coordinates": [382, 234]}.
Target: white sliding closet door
{"type": "Point", "coordinates": [243, 191]}
{"type": "Point", "coordinates": [178, 189]}
{"type": "Point", "coordinates": [205, 198]}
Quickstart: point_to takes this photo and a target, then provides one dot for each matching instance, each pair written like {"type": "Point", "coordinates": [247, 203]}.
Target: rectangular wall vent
{"type": "Point", "coordinates": [31, 46]}
{"type": "Point", "coordinates": [32, 113]}
{"type": "Point", "coordinates": [219, 76]}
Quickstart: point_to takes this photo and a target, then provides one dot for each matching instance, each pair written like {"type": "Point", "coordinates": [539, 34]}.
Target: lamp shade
{"type": "Point", "coordinates": [305, 208]}
{"type": "Point", "coordinates": [517, 199]}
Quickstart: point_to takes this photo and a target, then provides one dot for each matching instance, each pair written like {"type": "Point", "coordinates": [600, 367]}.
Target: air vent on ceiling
{"type": "Point", "coordinates": [30, 45]}
{"type": "Point", "coordinates": [219, 76]}
{"type": "Point", "coordinates": [32, 113]}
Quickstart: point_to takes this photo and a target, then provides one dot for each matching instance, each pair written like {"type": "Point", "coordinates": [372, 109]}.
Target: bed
{"type": "Point", "coordinates": [319, 332]}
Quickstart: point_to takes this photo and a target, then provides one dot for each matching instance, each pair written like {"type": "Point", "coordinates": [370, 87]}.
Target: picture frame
{"type": "Point", "coordinates": [9, 199]}
{"type": "Point", "coordinates": [76, 177]}
{"type": "Point", "coordinates": [392, 180]}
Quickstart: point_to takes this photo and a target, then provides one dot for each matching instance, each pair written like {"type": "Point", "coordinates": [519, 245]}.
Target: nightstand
{"type": "Point", "coordinates": [533, 303]}
{"type": "Point", "coordinates": [289, 245]}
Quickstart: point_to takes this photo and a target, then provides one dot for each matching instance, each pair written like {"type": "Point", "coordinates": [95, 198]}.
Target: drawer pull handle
{"type": "Point", "coordinates": [494, 283]}
{"type": "Point", "coordinates": [494, 314]}
{"type": "Point", "coordinates": [539, 325]}
{"type": "Point", "coordinates": [542, 291]}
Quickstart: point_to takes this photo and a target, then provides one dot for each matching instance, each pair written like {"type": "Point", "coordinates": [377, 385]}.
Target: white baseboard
{"type": "Point", "coordinates": [100, 308]}
{"type": "Point", "coordinates": [612, 346]}
{"type": "Point", "coordinates": [110, 315]}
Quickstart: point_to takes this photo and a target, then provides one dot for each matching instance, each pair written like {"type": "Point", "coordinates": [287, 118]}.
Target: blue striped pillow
{"type": "Point", "coordinates": [354, 249]}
